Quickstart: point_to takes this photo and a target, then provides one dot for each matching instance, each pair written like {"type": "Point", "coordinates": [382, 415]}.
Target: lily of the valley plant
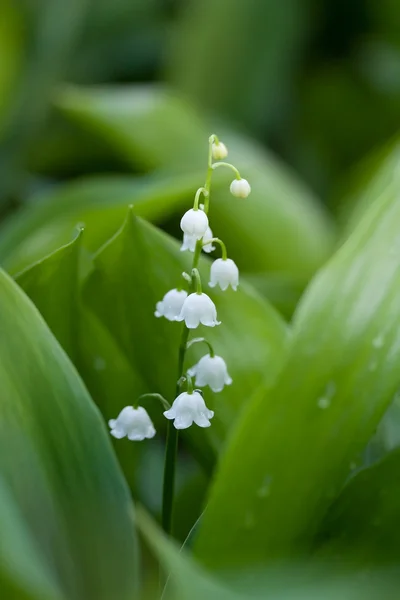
{"type": "Point", "coordinates": [194, 307]}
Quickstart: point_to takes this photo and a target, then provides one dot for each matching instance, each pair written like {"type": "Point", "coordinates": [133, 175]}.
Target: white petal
{"type": "Point", "coordinates": [118, 433]}
{"type": "Point", "coordinates": [201, 420]}
{"type": "Point", "coordinates": [183, 421]}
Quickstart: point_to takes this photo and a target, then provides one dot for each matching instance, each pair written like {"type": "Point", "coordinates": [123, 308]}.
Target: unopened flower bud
{"type": "Point", "coordinates": [240, 188]}
{"type": "Point", "coordinates": [219, 151]}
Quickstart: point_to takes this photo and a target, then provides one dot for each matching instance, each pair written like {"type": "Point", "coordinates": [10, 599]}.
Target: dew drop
{"type": "Point", "coordinates": [372, 365]}
{"type": "Point", "coordinates": [323, 402]}
{"type": "Point", "coordinates": [378, 342]}
{"type": "Point", "coordinates": [249, 520]}
{"type": "Point", "coordinates": [265, 488]}
{"type": "Point", "coordinates": [99, 363]}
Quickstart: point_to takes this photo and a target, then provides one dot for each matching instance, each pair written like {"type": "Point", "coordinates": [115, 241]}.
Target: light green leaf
{"type": "Point", "coordinates": [97, 202]}
{"type": "Point", "coordinates": [52, 285]}
{"type": "Point", "coordinates": [302, 581]}
{"type": "Point", "coordinates": [57, 463]}
{"type": "Point", "coordinates": [292, 450]}
{"type": "Point", "coordinates": [363, 525]}
{"type": "Point", "coordinates": [23, 574]}
{"type": "Point", "coordinates": [132, 272]}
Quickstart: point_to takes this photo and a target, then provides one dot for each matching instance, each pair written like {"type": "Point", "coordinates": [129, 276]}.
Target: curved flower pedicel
{"type": "Point", "coordinates": [211, 371]}
{"type": "Point", "coordinates": [224, 273]}
{"type": "Point", "coordinates": [189, 408]}
{"type": "Point", "coordinates": [171, 305]}
{"type": "Point", "coordinates": [133, 423]}
{"type": "Point", "coordinates": [198, 308]}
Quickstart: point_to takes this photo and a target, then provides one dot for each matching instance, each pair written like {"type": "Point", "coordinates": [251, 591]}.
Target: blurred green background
{"type": "Point", "coordinates": [318, 82]}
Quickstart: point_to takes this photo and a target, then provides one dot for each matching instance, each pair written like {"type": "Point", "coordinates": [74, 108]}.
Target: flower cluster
{"type": "Point", "coordinates": [194, 308]}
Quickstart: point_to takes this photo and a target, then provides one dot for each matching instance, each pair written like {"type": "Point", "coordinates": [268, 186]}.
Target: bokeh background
{"type": "Point", "coordinates": [318, 82]}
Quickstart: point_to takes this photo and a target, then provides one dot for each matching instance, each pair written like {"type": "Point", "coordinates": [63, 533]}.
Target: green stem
{"type": "Point", "coordinates": [221, 243]}
{"type": "Point", "coordinates": [228, 166]}
{"type": "Point", "coordinates": [197, 197]}
{"type": "Point", "coordinates": [172, 447]}
{"type": "Point", "coordinates": [196, 281]}
{"type": "Point", "coordinates": [199, 341]}
{"type": "Point", "coordinates": [164, 403]}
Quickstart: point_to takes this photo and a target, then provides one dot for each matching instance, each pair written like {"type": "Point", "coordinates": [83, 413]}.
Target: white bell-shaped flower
{"type": "Point", "coordinates": [224, 273]}
{"type": "Point", "coordinates": [206, 238]}
{"type": "Point", "coordinates": [194, 223]}
{"type": "Point", "coordinates": [219, 151]}
{"type": "Point", "coordinates": [240, 188]}
{"type": "Point", "coordinates": [133, 423]}
{"type": "Point", "coordinates": [211, 371]}
{"type": "Point", "coordinates": [189, 242]}
{"type": "Point", "coordinates": [188, 408]}
{"type": "Point", "coordinates": [196, 309]}
{"type": "Point", "coordinates": [171, 305]}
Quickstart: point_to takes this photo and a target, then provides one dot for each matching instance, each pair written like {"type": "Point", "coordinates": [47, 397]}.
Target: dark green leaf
{"type": "Point", "coordinates": [52, 285]}
{"type": "Point", "coordinates": [363, 525]}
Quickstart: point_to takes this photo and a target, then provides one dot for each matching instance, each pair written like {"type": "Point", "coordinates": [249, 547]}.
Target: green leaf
{"type": "Point", "coordinates": [363, 525]}
{"type": "Point", "coordinates": [57, 463]}
{"type": "Point", "coordinates": [52, 285]}
{"type": "Point", "coordinates": [306, 581]}
{"type": "Point", "coordinates": [99, 203]}
{"type": "Point", "coordinates": [147, 125]}
{"type": "Point", "coordinates": [292, 450]}
{"type": "Point", "coordinates": [132, 272]}
{"type": "Point", "coordinates": [23, 574]}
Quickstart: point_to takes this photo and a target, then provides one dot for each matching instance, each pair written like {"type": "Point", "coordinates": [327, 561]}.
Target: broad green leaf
{"type": "Point", "coordinates": [132, 272]}
{"type": "Point", "coordinates": [23, 574]}
{"type": "Point", "coordinates": [363, 525]}
{"type": "Point", "coordinates": [57, 463]}
{"type": "Point", "coordinates": [293, 448]}
{"type": "Point", "coordinates": [187, 579]}
{"type": "Point", "coordinates": [52, 285]}
{"type": "Point", "coordinates": [148, 125]}
{"type": "Point", "coordinates": [281, 227]}
{"type": "Point", "coordinates": [97, 202]}
{"type": "Point", "coordinates": [303, 581]}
